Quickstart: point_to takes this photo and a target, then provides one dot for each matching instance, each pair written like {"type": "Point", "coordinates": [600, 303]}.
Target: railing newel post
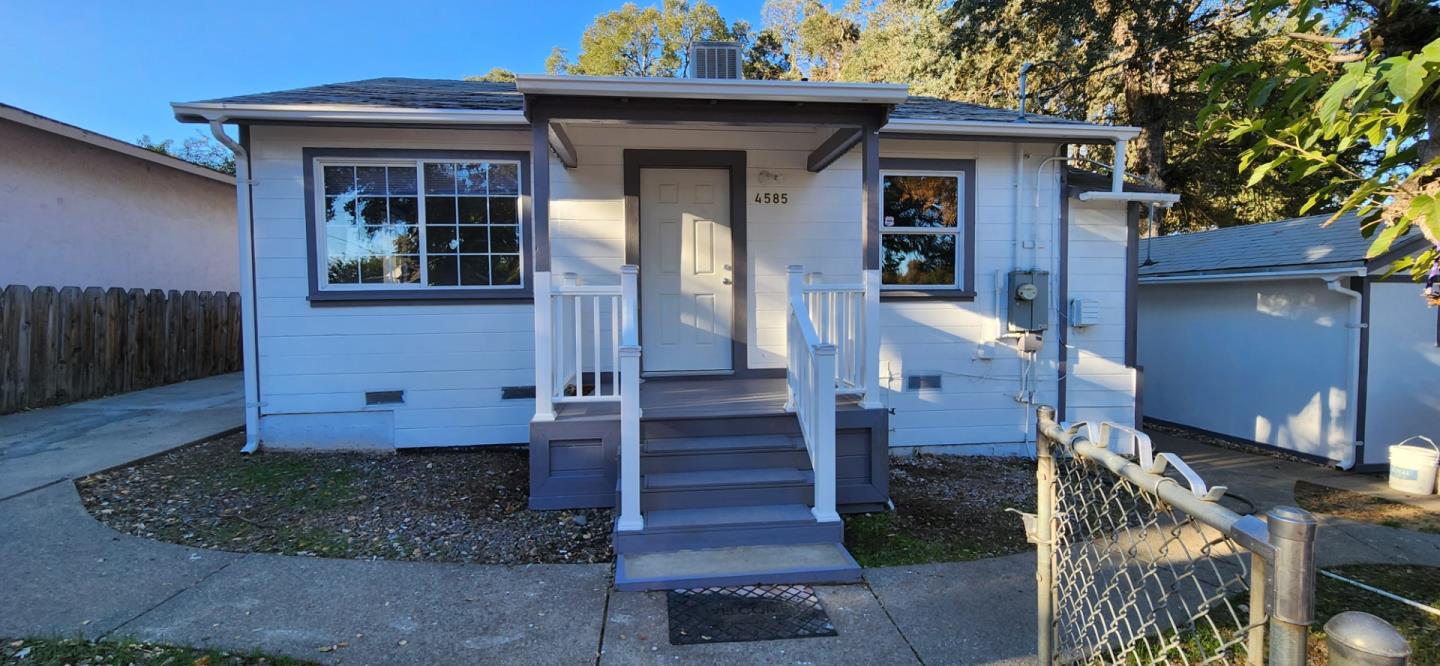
{"type": "Point", "coordinates": [870, 332]}
{"type": "Point", "coordinates": [544, 349]}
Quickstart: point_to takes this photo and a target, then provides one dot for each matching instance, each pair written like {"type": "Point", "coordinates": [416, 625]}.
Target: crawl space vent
{"type": "Point", "coordinates": [384, 397]}
{"type": "Point", "coordinates": [922, 383]}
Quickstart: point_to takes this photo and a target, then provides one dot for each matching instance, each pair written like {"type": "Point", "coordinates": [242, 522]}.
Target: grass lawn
{"type": "Point", "coordinates": [947, 509]}
{"type": "Point", "coordinates": [1416, 583]}
{"type": "Point", "coordinates": [56, 651]}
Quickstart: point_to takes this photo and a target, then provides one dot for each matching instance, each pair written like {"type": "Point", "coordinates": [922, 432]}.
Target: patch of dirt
{"type": "Point", "coordinates": [947, 509]}
{"type": "Point", "coordinates": [456, 505]}
{"type": "Point", "coordinates": [128, 653]}
{"type": "Point", "coordinates": [1363, 508]}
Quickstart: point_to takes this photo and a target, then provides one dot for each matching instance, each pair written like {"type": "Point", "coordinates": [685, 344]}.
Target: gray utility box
{"type": "Point", "coordinates": [1028, 294]}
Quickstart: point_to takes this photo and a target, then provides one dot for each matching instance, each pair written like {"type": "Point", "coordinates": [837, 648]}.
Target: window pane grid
{"type": "Point", "coordinates": [421, 223]}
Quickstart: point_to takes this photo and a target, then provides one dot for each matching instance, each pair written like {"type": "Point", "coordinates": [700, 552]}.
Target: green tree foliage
{"type": "Point", "coordinates": [1352, 115]}
{"type": "Point", "coordinates": [649, 41]}
{"type": "Point", "coordinates": [495, 75]}
{"type": "Point", "coordinates": [199, 149]}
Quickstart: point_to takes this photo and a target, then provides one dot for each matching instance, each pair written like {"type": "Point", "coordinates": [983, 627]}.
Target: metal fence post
{"type": "Point", "coordinates": [1361, 639]}
{"type": "Point", "coordinates": [1292, 581]}
{"type": "Point", "coordinates": [1044, 540]}
{"type": "Point", "coordinates": [1255, 643]}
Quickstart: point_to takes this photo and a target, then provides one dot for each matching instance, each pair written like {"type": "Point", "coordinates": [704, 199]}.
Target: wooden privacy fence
{"type": "Point", "coordinates": [59, 346]}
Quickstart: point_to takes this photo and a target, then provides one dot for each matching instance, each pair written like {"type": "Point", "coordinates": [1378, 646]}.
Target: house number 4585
{"type": "Point", "coordinates": [772, 198]}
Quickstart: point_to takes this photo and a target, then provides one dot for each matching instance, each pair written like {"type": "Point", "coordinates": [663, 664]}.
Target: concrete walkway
{"type": "Point", "coordinates": [1266, 481]}
{"type": "Point", "coordinates": [46, 445]}
{"type": "Point", "coordinates": [66, 575]}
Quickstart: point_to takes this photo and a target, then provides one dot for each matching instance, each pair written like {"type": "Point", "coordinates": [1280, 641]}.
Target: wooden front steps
{"type": "Point", "coordinates": [726, 501]}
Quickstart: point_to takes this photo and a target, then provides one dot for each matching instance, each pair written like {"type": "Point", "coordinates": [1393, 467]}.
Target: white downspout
{"type": "Point", "coordinates": [246, 224]}
{"type": "Point", "coordinates": [1352, 392]}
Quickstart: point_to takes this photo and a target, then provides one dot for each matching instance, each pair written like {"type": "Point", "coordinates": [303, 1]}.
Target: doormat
{"type": "Point", "coordinates": [748, 613]}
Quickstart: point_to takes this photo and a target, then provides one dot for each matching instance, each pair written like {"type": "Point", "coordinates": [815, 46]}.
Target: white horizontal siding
{"type": "Point", "coordinates": [1099, 386]}
{"type": "Point", "coordinates": [453, 360]}
{"type": "Point", "coordinates": [977, 402]}
{"type": "Point", "coordinates": [316, 363]}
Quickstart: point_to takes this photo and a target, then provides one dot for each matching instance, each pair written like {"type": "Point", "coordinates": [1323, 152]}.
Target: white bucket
{"type": "Point", "coordinates": [1413, 468]}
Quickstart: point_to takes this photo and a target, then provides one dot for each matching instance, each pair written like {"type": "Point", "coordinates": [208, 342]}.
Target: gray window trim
{"type": "Point", "coordinates": [318, 298]}
{"type": "Point", "coordinates": [965, 290]}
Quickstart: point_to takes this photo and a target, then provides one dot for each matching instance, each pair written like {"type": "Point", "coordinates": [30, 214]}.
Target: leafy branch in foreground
{"type": "Point", "coordinates": [1353, 113]}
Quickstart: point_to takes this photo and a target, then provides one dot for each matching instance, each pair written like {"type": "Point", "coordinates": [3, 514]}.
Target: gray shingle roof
{"type": "Point", "coordinates": [394, 91]}
{"type": "Point", "coordinates": [489, 96]}
{"type": "Point", "coordinates": [1294, 243]}
{"type": "Point", "coordinates": [933, 108]}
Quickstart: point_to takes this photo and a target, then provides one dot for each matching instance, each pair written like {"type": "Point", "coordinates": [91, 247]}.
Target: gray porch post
{"type": "Point", "coordinates": [870, 195]}
{"type": "Point", "coordinates": [540, 197]}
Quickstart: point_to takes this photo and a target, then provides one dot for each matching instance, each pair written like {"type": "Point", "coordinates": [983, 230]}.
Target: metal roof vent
{"type": "Point", "coordinates": [715, 60]}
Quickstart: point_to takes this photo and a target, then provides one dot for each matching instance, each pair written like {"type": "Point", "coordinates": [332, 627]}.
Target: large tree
{"type": "Point", "coordinates": [649, 41]}
{"type": "Point", "coordinates": [1353, 115]}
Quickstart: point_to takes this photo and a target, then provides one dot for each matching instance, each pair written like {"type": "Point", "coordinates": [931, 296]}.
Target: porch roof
{"type": "Point", "coordinates": [418, 101]}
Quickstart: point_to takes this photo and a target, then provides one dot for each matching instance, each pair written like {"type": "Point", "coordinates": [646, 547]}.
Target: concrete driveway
{"type": "Point", "coordinates": [43, 446]}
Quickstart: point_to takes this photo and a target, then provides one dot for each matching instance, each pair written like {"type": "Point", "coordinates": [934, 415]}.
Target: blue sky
{"type": "Point", "coordinates": [114, 66]}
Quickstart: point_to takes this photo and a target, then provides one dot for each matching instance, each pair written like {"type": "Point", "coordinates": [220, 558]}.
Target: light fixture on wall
{"type": "Point", "coordinates": [766, 177]}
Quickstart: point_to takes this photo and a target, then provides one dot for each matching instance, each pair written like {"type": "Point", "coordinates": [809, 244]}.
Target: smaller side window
{"type": "Point", "coordinates": [920, 230]}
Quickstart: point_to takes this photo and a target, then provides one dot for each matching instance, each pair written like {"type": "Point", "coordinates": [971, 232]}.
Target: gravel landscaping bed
{"type": "Point", "coordinates": [947, 509]}
{"type": "Point", "coordinates": [469, 505]}
{"type": "Point", "coordinates": [457, 505]}
{"type": "Point", "coordinates": [124, 652]}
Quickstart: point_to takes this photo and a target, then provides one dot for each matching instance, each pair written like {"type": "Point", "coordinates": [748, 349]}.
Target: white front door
{"type": "Point", "coordinates": [686, 277]}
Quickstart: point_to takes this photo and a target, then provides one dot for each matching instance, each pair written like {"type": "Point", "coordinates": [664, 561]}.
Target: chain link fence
{"type": "Point", "coordinates": [1140, 563]}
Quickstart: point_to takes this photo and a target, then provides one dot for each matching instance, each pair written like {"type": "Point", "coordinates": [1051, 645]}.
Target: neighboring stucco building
{"type": "Point", "coordinates": [1283, 334]}
{"type": "Point", "coordinates": [82, 209]}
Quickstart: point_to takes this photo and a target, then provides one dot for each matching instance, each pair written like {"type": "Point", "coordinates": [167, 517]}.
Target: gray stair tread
{"type": "Point", "coordinates": [757, 515]}
{"type": "Point", "coordinates": [722, 443]}
{"type": "Point", "coordinates": [727, 477]}
{"type": "Point", "coordinates": [721, 563]}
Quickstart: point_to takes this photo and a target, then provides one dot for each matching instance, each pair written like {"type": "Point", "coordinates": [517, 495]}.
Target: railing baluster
{"type": "Point", "coordinates": [615, 345]}
{"type": "Point", "coordinates": [595, 336]}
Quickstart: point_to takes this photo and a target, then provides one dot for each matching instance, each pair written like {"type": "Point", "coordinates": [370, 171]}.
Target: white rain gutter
{"type": "Point", "coordinates": [1162, 199]}
{"type": "Point", "coordinates": [1352, 392]}
{"type": "Point", "coordinates": [341, 113]}
{"type": "Point", "coordinates": [1079, 133]}
{"type": "Point", "coordinates": [246, 224]}
{"type": "Point", "coordinates": [1255, 275]}
{"type": "Point", "coordinates": [685, 88]}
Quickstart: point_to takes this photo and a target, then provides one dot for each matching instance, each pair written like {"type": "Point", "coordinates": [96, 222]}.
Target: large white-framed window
{"type": "Point", "coordinates": [422, 224]}
{"type": "Point", "coordinates": [922, 229]}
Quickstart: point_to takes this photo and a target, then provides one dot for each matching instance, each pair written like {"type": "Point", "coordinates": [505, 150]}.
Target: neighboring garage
{"type": "Point", "coordinates": [1283, 335]}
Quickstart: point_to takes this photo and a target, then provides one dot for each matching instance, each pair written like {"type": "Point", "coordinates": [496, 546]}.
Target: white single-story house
{"type": "Point", "coordinates": [1284, 335]}
{"type": "Point", "coordinates": [712, 303]}
{"type": "Point", "coordinates": [85, 210]}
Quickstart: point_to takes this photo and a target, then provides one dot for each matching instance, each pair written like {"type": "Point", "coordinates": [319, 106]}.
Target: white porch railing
{"type": "Point", "coordinates": [588, 350]}
{"type": "Point", "coordinates": [810, 390]}
{"type": "Point", "coordinates": [842, 317]}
